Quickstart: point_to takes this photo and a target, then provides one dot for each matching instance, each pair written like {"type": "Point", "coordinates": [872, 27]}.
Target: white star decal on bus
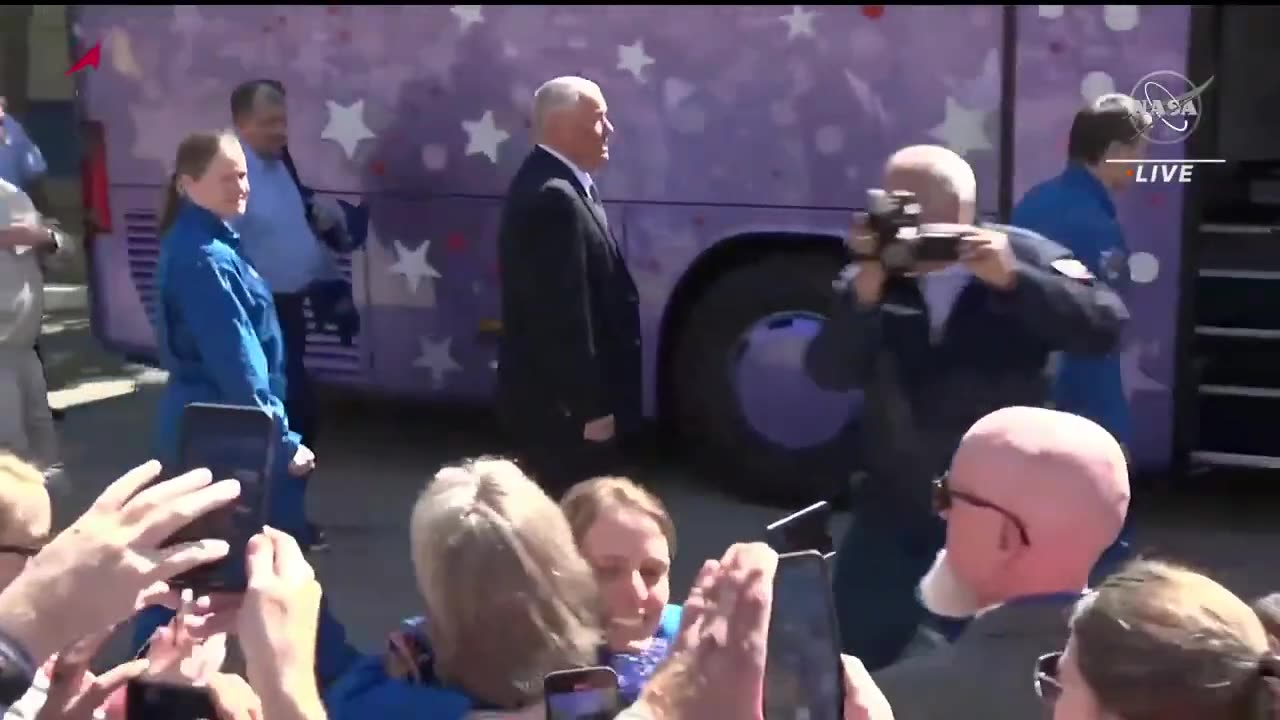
{"type": "Point", "coordinates": [799, 22]}
{"type": "Point", "coordinates": [414, 266]}
{"type": "Point", "coordinates": [962, 129]}
{"type": "Point", "coordinates": [633, 59]}
{"type": "Point", "coordinates": [468, 15]}
{"type": "Point", "coordinates": [435, 357]}
{"type": "Point", "coordinates": [484, 136]}
{"type": "Point", "coordinates": [346, 126]}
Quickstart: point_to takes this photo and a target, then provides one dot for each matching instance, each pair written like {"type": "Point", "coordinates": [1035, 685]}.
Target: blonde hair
{"type": "Point", "coordinates": [195, 153]}
{"type": "Point", "coordinates": [24, 499]}
{"type": "Point", "coordinates": [586, 501]}
{"type": "Point", "coordinates": [1160, 642]}
{"type": "Point", "coordinates": [508, 596]}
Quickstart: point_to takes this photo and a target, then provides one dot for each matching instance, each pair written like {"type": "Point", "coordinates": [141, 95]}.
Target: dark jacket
{"type": "Point", "coordinates": [988, 672]}
{"type": "Point", "coordinates": [570, 346]}
{"type": "Point", "coordinates": [921, 398]}
{"type": "Point", "coordinates": [333, 306]}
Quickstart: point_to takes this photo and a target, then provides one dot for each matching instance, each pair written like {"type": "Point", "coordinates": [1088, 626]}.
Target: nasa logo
{"type": "Point", "coordinates": [1174, 103]}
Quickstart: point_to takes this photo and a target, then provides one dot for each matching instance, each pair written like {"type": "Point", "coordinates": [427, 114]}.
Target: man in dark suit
{"type": "Point", "coordinates": [569, 358]}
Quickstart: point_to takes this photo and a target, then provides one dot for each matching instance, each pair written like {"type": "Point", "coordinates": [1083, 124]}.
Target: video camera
{"type": "Point", "coordinates": [901, 242]}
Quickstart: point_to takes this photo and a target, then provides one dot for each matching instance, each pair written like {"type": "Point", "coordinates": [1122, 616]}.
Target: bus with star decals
{"type": "Point", "coordinates": [745, 138]}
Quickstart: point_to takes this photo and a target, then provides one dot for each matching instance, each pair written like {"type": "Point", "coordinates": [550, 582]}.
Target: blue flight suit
{"type": "Point", "coordinates": [1075, 210]}
{"type": "Point", "coordinates": [219, 339]}
{"type": "Point", "coordinates": [921, 396]}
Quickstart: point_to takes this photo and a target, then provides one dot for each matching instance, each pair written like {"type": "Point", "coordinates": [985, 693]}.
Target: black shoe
{"type": "Point", "coordinates": [319, 541]}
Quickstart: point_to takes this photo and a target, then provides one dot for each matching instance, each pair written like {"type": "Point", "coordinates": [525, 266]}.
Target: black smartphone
{"type": "Point", "coordinates": [582, 694]}
{"type": "Point", "coordinates": [808, 529]}
{"type": "Point", "coordinates": [232, 442]}
{"type": "Point", "coordinates": [152, 700]}
{"type": "Point", "coordinates": [803, 675]}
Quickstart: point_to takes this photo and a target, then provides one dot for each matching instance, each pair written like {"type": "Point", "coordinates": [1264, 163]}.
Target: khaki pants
{"type": "Point", "coordinates": [26, 424]}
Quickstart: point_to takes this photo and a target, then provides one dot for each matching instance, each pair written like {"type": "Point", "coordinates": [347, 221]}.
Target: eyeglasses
{"type": "Point", "coordinates": [1048, 688]}
{"type": "Point", "coordinates": [944, 497]}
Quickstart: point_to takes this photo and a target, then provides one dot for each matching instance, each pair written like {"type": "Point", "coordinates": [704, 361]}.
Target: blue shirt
{"type": "Point", "coordinates": [216, 330]}
{"type": "Point", "coordinates": [275, 231]}
{"type": "Point", "coordinates": [1075, 210]}
{"type": "Point", "coordinates": [21, 162]}
{"type": "Point", "coordinates": [402, 684]}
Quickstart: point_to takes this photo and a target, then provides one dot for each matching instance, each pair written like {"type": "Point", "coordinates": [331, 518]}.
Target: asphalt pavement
{"type": "Point", "coordinates": [374, 458]}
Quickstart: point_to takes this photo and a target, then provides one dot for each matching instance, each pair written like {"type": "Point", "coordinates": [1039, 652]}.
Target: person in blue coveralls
{"type": "Point", "coordinates": [216, 327]}
{"type": "Point", "coordinates": [508, 598]}
{"type": "Point", "coordinates": [1076, 210]}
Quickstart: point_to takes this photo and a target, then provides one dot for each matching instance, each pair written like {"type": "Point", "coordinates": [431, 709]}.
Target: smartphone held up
{"type": "Point", "coordinates": [807, 529]}
{"type": "Point", "coordinates": [232, 442]}
{"type": "Point", "coordinates": [582, 694]}
{"type": "Point", "coordinates": [804, 675]}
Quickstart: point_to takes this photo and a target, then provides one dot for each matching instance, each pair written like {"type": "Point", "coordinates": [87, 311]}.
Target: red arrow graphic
{"type": "Point", "coordinates": [90, 59]}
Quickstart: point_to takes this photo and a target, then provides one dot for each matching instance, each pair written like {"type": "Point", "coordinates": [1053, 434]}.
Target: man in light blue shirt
{"type": "Point", "coordinates": [23, 165]}
{"type": "Point", "coordinates": [276, 233]}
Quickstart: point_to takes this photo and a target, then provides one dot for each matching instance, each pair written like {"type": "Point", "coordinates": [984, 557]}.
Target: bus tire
{"type": "Point", "coordinates": [713, 429]}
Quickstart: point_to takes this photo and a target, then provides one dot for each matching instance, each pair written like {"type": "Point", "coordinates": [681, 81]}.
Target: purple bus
{"type": "Point", "coordinates": [745, 138]}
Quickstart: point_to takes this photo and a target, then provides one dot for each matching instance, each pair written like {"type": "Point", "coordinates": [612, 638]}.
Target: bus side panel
{"type": "Point", "coordinates": [766, 106]}
{"type": "Point", "coordinates": [1070, 54]}
{"type": "Point", "coordinates": [123, 265]}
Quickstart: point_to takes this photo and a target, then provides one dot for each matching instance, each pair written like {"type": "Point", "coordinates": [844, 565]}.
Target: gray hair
{"type": "Point", "coordinates": [947, 174]}
{"type": "Point", "coordinates": [560, 94]}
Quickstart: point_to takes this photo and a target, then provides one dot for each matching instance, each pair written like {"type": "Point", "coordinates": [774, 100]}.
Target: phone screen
{"type": "Point", "coordinates": [232, 442]}
{"type": "Point", "coordinates": [807, 529]}
{"type": "Point", "coordinates": [803, 675]}
{"type": "Point", "coordinates": [586, 694]}
{"type": "Point", "coordinates": [148, 700]}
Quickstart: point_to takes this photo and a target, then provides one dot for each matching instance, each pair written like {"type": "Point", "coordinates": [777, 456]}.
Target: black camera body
{"type": "Point", "coordinates": [901, 241]}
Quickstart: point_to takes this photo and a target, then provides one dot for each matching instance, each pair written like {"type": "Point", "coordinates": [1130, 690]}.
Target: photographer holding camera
{"type": "Point", "coordinates": [939, 321]}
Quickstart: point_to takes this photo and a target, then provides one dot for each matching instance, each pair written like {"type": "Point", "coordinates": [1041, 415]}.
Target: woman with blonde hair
{"type": "Point", "coordinates": [628, 538]}
{"type": "Point", "coordinates": [1160, 642]}
{"type": "Point", "coordinates": [508, 599]}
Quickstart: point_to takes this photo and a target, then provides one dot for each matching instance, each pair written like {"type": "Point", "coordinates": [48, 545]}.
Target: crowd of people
{"type": "Point", "coordinates": [979, 578]}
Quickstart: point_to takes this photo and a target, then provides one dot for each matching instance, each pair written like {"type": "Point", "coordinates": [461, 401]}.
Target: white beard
{"type": "Point", "coordinates": [944, 593]}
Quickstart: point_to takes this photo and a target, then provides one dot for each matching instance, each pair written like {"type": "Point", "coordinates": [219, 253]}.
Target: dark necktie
{"type": "Point", "coordinates": [599, 206]}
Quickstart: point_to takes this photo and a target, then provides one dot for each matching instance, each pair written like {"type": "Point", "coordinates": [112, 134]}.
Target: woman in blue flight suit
{"type": "Point", "coordinates": [216, 327]}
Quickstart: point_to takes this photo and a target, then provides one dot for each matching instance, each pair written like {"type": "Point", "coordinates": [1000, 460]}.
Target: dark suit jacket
{"type": "Point", "coordinates": [987, 673]}
{"type": "Point", "coordinates": [570, 345]}
{"type": "Point", "coordinates": [922, 397]}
